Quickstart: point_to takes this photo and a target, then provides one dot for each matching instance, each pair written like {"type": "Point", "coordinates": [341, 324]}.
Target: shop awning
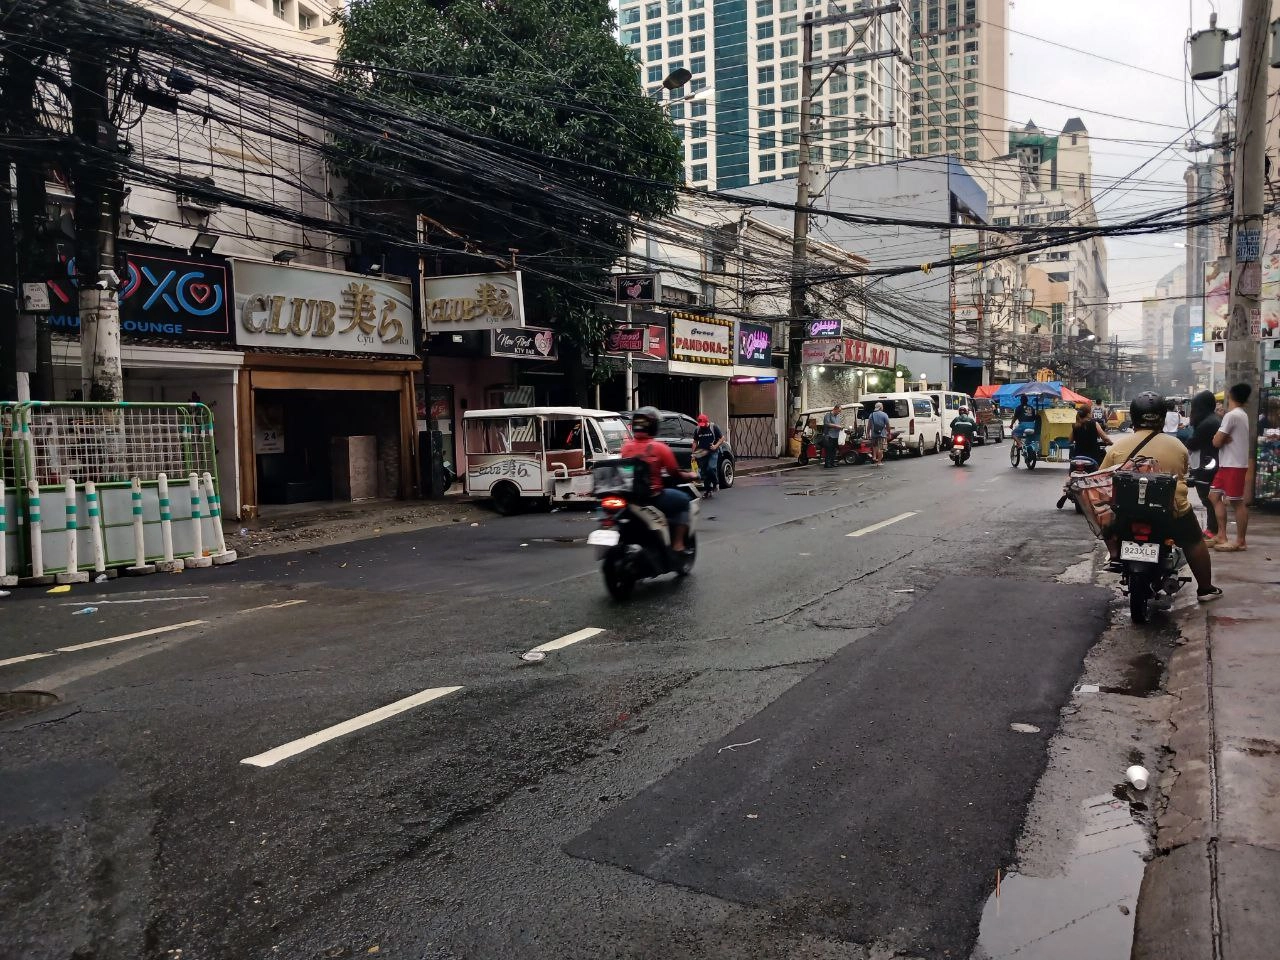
{"type": "Point", "coordinates": [987, 390]}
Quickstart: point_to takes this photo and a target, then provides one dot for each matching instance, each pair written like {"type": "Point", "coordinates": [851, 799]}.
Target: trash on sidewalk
{"type": "Point", "coordinates": [907, 590]}
{"type": "Point", "coordinates": [100, 578]}
{"type": "Point", "coordinates": [84, 610]}
{"type": "Point", "coordinates": [64, 588]}
{"type": "Point", "coordinates": [1024, 728]}
{"type": "Point", "coordinates": [4, 593]}
{"type": "Point", "coordinates": [734, 746]}
{"type": "Point", "coordinates": [1137, 776]}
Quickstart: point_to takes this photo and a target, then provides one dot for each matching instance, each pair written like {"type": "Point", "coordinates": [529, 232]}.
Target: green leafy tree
{"type": "Point", "coordinates": [546, 77]}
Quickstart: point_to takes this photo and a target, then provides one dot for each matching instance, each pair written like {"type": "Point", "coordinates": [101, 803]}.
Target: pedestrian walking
{"type": "Point", "coordinates": [808, 434]}
{"type": "Point", "coordinates": [1232, 443]}
{"type": "Point", "coordinates": [1205, 424]}
{"type": "Point", "coordinates": [878, 430]}
{"type": "Point", "coordinates": [707, 441]}
{"type": "Point", "coordinates": [831, 430]}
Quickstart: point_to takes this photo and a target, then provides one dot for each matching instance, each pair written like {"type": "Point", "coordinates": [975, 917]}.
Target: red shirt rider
{"type": "Point", "coordinates": [657, 454]}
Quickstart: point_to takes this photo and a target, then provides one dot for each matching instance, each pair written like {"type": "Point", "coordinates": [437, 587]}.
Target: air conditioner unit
{"type": "Point", "coordinates": [198, 203]}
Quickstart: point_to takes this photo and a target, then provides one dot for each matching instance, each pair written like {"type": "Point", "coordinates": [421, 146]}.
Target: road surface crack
{"type": "Point", "coordinates": [836, 589]}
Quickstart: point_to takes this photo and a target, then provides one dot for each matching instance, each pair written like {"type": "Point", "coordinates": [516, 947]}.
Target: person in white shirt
{"type": "Point", "coordinates": [1232, 441]}
{"type": "Point", "coordinates": [1171, 420]}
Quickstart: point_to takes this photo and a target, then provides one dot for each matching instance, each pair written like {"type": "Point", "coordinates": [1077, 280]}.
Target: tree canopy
{"type": "Point", "coordinates": [542, 76]}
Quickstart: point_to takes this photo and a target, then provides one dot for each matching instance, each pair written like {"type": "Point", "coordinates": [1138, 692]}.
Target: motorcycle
{"type": "Point", "coordinates": [1080, 466]}
{"type": "Point", "coordinates": [633, 540]}
{"type": "Point", "coordinates": [1151, 564]}
{"type": "Point", "coordinates": [960, 449]}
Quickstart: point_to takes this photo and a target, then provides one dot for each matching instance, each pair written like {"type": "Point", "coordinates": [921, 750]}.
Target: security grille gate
{"type": "Point", "coordinates": [753, 437]}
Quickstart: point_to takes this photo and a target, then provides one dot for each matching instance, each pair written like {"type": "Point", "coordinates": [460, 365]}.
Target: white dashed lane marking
{"type": "Point", "coordinates": [303, 744]}
{"type": "Point", "coordinates": [882, 524]}
{"type": "Point", "coordinates": [568, 639]}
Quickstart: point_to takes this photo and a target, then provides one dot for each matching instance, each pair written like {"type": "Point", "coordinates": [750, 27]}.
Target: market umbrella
{"type": "Point", "coordinates": [1072, 397]}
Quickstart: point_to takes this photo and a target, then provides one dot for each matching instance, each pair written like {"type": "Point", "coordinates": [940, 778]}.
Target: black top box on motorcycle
{"type": "Point", "coordinates": [629, 477]}
{"type": "Point", "coordinates": [1144, 496]}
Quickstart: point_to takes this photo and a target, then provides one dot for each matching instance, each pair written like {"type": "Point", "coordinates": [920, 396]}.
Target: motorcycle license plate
{"type": "Point", "coordinates": [603, 538]}
{"type": "Point", "coordinates": [1142, 552]}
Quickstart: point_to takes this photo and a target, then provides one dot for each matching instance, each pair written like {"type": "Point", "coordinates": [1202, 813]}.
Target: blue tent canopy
{"type": "Point", "coordinates": [1007, 396]}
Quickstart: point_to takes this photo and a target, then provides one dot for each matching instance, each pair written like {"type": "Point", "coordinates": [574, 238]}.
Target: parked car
{"type": "Point", "coordinates": [913, 414]}
{"type": "Point", "coordinates": [676, 431]}
{"type": "Point", "coordinates": [990, 423]}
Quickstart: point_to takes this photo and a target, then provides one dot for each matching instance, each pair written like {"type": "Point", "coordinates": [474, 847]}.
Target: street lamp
{"type": "Point", "coordinates": [674, 81]}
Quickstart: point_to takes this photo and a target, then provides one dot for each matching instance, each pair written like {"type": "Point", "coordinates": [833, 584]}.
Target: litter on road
{"type": "Point", "coordinates": [84, 610]}
{"type": "Point", "coordinates": [533, 656]}
{"type": "Point", "coordinates": [1024, 728]}
{"type": "Point", "coordinates": [64, 588]}
{"type": "Point", "coordinates": [1138, 776]}
{"type": "Point", "coordinates": [734, 746]}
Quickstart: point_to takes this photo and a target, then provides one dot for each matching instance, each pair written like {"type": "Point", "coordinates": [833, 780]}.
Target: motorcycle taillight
{"type": "Point", "coordinates": [613, 503]}
{"type": "Point", "coordinates": [1140, 531]}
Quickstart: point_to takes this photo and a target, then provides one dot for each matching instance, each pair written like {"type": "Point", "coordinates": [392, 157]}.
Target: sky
{"type": "Point", "coordinates": [1150, 34]}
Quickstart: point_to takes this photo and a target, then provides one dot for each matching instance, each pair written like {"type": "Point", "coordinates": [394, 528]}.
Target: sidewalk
{"type": "Point", "coordinates": [1213, 887]}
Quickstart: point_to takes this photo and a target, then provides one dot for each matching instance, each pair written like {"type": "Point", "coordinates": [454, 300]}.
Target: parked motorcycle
{"type": "Point", "coordinates": [1151, 563]}
{"type": "Point", "coordinates": [961, 448]}
{"type": "Point", "coordinates": [1080, 466]}
{"type": "Point", "coordinates": [634, 539]}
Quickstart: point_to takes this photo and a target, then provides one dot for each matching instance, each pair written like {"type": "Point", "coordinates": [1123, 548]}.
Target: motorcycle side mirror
{"type": "Point", "coordinates": [1211, 465]}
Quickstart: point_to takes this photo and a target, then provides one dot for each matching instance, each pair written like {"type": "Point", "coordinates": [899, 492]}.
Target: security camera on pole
{"type": "Point", "coordinates": [1244, 324]}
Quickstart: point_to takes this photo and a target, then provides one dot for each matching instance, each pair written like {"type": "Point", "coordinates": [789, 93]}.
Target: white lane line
{"type": "Point", "coordinates": [295, 747]}
{"type": "Point", "coordinates": [882, 524]}
{"type": "Point", "coordinates": [98, 603]}
{"type": "Point", "coordinates": [29, 656]}
{"type": "Point", "coordinates": [131, 636]}
{"type": "Point", "coordinates": [273, 606]}
{"type": "Point", "coordinates": [568, 639]}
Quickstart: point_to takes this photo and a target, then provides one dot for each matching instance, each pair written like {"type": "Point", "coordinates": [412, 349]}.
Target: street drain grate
{"type": "Point", "coordinates": [18, 703]}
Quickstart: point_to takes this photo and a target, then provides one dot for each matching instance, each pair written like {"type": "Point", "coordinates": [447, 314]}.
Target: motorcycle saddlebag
{"type": "Point", "coordinates": [1144, 496]}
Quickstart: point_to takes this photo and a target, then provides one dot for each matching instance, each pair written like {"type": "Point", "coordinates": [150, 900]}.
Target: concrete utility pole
{"type": "Point", "coordinates": [1244, 321]}
{"type": "Point", "coordinates": [800, 227]}
{"type": "Point", "coordinates": [97, 213]}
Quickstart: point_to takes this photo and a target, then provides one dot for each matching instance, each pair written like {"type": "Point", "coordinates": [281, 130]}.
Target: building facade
{"type": "Point", "coordinates": [739, 115]}
{"type": "Point", "coordinates": [960, 57]}
{"type": "Point", "coordinates": [1055, 191]}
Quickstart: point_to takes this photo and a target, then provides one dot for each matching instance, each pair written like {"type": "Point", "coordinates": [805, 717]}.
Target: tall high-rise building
{"type": "Point", "coordinates": [739, 115]}
{"type": "Point", "coordinates": [960, 49]}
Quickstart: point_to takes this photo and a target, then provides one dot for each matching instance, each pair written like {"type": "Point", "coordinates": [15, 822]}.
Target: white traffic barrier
{"type": "Point", "coordinates": [221, 554]}
{"type": "Point", "coordinates": [6, 579]}
{"type": "Point", "coordinates": [167, 564]}
{"type": "Point", "coordinates": [197, 559]}
{"type": "Point", "coordinates": [73, 573]}
{"type": "Point", "coordinates": [140, 565]}
{"type": "Point", "coordinates": [95, 527]}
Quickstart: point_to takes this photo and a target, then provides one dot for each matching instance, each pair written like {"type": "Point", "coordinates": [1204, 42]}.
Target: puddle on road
{"type": "Point", "coordinates": [1141, 678]}
{"type": "Point", "coordinates": [1087, 910]}
{"type": "Point", "coordinates": [20, 703]}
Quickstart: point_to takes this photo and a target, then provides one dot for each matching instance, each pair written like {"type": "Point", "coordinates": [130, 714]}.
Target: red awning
{"type": "Point", "coordinates": [986, 390]}
{"type": "Point", "coordinates": [1071, 396]}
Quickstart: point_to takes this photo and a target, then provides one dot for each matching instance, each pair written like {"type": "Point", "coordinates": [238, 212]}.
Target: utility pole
{"type": "Point", "coordinates": [800, 226]}
{"type": "Point", "coordinates": [1247, 212]}
{"type": "Point", "coordinates": [97, 213]}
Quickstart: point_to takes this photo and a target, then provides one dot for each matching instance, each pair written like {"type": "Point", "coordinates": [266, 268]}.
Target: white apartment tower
{"type": "Point", "coordinates": [960, 50]}
{"type": "Point", "coordinates": [739, 116]}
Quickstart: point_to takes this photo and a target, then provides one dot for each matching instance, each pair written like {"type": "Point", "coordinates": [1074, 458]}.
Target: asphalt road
{"type": "Point", "coordinates": [516, 809]}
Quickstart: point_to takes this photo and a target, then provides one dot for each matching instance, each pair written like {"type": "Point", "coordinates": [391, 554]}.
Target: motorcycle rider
{"type": "Point", "coordinates": [1147, 412]}
{"type": "Point", "coordinates": [673, 503]}
{"type": "Point", "coordinates": [965, 425]}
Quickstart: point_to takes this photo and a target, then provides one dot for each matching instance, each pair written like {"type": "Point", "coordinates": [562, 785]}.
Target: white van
{"type": "Point", "coordinates": [913, 414]}
{"type": "Point", "coordinates": [948, 404]}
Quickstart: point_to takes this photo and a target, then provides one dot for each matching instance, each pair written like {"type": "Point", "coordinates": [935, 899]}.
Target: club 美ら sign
{"type": "Point", "coordinates": [474, 301]}
{"type": "Point", "coordinates": [701, 339]}
{"type": "Point", "coordinates": [305, 309]}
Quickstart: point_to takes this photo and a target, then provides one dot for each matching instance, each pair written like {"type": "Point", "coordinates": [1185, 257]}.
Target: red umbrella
{"type": "Point", "coordinates": [986, 390]}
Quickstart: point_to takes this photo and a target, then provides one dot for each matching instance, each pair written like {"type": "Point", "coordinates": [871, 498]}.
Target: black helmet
{"type": "Point", "coordinates": [1147, 411]}
{"type": "Point", "coordinates": [645, 420]}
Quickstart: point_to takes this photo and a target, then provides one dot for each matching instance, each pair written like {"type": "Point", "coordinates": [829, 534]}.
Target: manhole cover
{"type": "Point", "coordinates": [16, 703]}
